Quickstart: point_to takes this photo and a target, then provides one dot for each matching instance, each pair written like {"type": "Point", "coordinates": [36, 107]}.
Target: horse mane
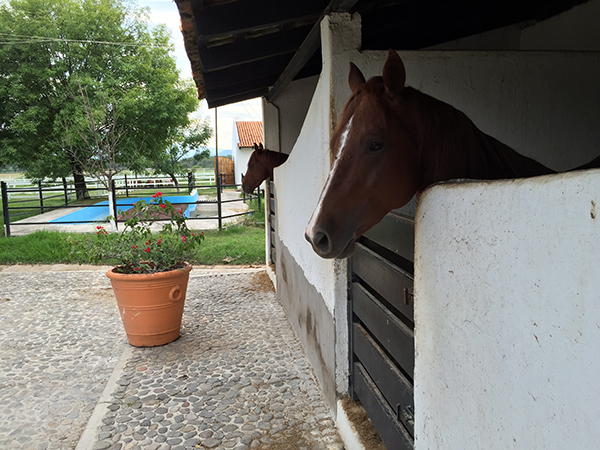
{"type": "Point", "coordinates": [453, 147]}
{"type": "Point", "coordinates": [274, 159]}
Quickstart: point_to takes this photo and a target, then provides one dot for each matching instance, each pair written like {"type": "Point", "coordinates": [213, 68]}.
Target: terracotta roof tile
{"type": "Point", "coordinates": [249, 133]}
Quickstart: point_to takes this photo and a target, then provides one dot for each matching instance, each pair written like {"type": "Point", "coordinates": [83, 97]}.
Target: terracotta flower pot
{"type": "Point", "coordinates": [151, 305]}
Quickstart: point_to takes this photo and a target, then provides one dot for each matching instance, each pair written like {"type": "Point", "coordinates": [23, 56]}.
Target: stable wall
{"type": "Point", "coordinates": [289, 110]}
{"type": "Point", "coordinates": [507, 307]}
{"type": "Point", "coordinates": [573, 30]}
{"type": "Point", "coordinates": [541, 103]}
{"type": "Point", "coordinates": [240, 158]}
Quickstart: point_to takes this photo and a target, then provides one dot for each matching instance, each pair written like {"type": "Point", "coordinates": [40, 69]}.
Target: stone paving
{"type": "Point", "coordinates": [237, 378]}
{"type": "Point", "coordinates": [60, 339]}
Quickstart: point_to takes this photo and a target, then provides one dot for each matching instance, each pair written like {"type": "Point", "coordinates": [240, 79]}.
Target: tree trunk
{"type": "Point", "coordinates": [80, 186]}
{"type": "Point", "coordinates": [111, 211]}
{"type": "Point", "coordinates": [174, 178]}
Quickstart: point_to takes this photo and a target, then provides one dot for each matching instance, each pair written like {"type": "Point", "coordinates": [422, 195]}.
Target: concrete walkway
{"type": "Point", "coordinates": [236, 378]}
{"type": "Point", "coordinates": [233, 205]}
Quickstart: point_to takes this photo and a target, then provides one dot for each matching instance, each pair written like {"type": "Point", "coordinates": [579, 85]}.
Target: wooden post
{"type": "Point", "coordinates": [217, 174]}
{"type": "Point", "coordinates": [64, 180]}
{"type": "Point", "coordinates": [41, 196]}
{"type": "Point", "coordinates": [5, 213]}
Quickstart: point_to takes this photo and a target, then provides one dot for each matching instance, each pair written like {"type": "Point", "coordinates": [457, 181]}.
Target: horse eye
{"type": "Point", "coordinates": [375, 146]}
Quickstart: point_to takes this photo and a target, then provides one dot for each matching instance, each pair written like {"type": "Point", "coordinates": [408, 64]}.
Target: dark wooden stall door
{"type": "Point", "coordinates": [382, 327]}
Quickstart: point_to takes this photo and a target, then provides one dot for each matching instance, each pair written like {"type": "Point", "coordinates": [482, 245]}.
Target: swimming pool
{"type": "Point", "coordinates": [99, 211]}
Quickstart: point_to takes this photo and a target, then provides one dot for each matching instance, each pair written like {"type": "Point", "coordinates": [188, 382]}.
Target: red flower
{"type": "Point", "coordinates": [183, 238]}
{"type": "Point", "coordinates": [137, 268]}
{"type": "Point", "coordinates": [180, 212]}
{"type": "Point", "coordinates": [163, 206]}
{"type": "Point", "coordinates": [159, 241]}
{"type": "Point", "coordinates": [99, 227]}
{"type": "Point", "coordinates": [134, 246]}
{"type": "Point", "coordinates": [202, 233]}
{"type": "Point", "coordinates": [147, 250]}
{"type": "Point", "coordinates": [158, 194]}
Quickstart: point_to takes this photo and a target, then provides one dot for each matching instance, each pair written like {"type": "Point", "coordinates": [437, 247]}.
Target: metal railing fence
{"type": "Point", "coordinates": [36, 200]}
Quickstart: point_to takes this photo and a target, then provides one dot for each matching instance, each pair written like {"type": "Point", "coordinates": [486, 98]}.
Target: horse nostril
{"type": "Point", "coordinates": [321, 242]}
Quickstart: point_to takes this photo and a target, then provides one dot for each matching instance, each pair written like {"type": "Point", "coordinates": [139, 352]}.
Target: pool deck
{"type": "Point", "coordinates": [23, 227]}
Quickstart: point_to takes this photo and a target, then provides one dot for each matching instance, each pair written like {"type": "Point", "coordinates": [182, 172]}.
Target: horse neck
{"type": "Point", "coordinates": [452, 147]}
{"type": "Point", "coordinates": [273, 159]}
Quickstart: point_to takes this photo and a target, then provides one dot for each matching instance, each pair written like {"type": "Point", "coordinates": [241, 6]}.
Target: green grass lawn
{"type": "Point", "coordinates": [238, 244]}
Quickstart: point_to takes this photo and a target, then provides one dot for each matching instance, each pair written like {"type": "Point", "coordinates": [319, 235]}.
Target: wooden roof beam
{"type": "Point", "coordinates": [310, 45]}
{"type": "Point", "coordinates": [243, 16]}
{"type": "Point", "coordinates": [260, 48]}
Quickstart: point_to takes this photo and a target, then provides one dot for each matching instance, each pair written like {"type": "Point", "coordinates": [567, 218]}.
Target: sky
{"type": "Point", "coordinates": [165, 12]}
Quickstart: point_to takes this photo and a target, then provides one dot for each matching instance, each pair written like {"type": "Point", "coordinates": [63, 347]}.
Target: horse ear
{"type": "Point", "coordinates": [257, 147]}
{"type": "Point", "coordinates": [355, 79]}
{"type": "Point", "coordinates": [394, 74]}
{"type": "Point", "coordinates": [260, 146]}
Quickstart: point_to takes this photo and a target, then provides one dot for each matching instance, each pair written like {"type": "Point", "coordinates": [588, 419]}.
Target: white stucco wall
{"type": "Point", "coordinates": [240, 158]}
{"type": "Point", "coordinates": [507, 309]}
{"type": "Point", "coordinates": [573, 30]}
{"type": "Point", "coordinates": [543, 104]}
{"type": "Point", "coordinates": [576, 30]}
{"type": "Point", "coordinates": [300, 180]}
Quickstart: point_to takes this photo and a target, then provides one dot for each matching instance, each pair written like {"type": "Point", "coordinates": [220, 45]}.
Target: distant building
{"type": "Point", "coordinates": [245, 134]}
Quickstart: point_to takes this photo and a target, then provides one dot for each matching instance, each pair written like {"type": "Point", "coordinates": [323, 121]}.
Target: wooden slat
{"type": "Point", "coordinates": [392, 433]}
{"type": "Point", "coordinates": [394, 386]}
{"type": "Point", "coordinates": [396, 233]}
{"type": "Point", "coordinates": [256, 49]}
{"type": "Point", "coordinates": [246, 15]}
{"type": "Point", "coordinates": [394, 336]}
{"type": "Point", "coordinates": [273, 255]}
{"type": "Point", "coordinates": [247, 75]}
{"type": "Point", "coordinates": [308, 48]}
{"type": "Point", "coordinates": [385, 278]}
{"type": "Point", "coordinates": [234, 94]}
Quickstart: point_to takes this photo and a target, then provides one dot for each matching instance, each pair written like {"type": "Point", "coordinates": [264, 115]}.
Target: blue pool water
{"type": "Point", "coordinates": [99, 212]}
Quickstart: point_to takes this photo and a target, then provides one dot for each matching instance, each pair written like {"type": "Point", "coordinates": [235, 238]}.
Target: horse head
{"type": "Point", "coordinates": [260, 167]}
{"type": "Point", "coordinates": [376, 166]}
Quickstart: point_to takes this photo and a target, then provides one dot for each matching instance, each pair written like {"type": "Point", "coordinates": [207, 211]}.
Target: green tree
{"type": "Point", "coordinates": [56, 56]}
{"type": "Point", "coordinates": [184, 140]}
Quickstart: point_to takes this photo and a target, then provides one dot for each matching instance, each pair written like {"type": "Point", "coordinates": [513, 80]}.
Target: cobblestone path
{"type": "Point", "coordinates": [237, 377]}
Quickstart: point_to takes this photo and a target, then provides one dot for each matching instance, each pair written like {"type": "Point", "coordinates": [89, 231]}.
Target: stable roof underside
{"type": "Point", "coordinates": [242, 49]}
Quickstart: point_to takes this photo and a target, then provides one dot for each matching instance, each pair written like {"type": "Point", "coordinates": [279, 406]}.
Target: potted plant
{"type": "Point", "coordinates": [151, 274]}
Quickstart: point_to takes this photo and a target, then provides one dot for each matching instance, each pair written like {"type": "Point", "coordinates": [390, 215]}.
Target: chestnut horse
{"type": "Point", "coordinates": [391, 143]}
{"type": "Point", "coordinates": [260, 167]}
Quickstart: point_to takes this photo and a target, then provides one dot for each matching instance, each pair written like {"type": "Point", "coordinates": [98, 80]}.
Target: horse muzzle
{"type": "Point", "coordinates": [247, 188]}
{"type": "Point", "coordinates": [325, 247]}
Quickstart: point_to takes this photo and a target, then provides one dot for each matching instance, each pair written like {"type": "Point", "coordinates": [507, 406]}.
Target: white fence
{"type": "Point", "coordinates": [98, 188]}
